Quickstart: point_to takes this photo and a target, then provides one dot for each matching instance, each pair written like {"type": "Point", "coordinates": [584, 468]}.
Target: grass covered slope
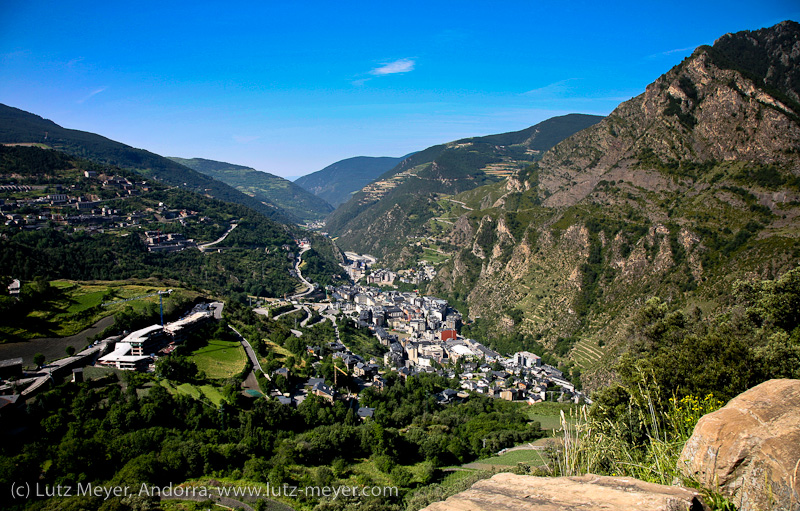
{"type": "Point", "coordinates": [220, 359]}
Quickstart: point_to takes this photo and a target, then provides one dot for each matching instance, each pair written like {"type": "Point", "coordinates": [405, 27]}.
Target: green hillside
{"type": "Point", "coordinates": [18, 126]}
{"type": "Point", "coordinates": [54, 240]}
{"type": "Point", "coordinates": [292, 200]}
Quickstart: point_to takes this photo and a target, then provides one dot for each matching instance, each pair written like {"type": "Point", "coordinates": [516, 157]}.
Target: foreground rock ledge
{"type": "Point", "coordinates": [587, 493]}
{"type": "Point", "coordinates": [749, 450]}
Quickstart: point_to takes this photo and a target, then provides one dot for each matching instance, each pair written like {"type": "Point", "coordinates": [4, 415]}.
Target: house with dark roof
{"type": "Point", "coordinates": [365, 413]}
{"type": "Point", "coordinates": [322, 390]}
{"type": "Point", "coordinates": [365, 370]}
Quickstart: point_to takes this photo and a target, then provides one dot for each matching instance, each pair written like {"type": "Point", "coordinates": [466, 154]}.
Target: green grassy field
{"type": "Point", "coordinates": [549, 414]}
{"type": "Point", "coordinates": [434, 257]}
{"type": "Point", "coordinates": [511, 459]}
{"type": "Point", "coordinates": [207, 393]}
{"type": "Point", "coordinates": [189, 390]}
{"type": "Point", "coordinates": [220, 359]}
{"type": "Point", "coordinates": [75, 306]}
{"type": "Point", "coordinates": [212, 394]}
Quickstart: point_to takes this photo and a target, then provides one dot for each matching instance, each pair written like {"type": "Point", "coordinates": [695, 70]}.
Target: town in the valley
{"type": "Point", "coordinates": [420, 334]}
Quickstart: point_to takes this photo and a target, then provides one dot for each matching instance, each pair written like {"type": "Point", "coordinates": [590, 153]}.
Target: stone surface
{"type": "Point", "coordinates": [749, 450]}
{"type": "Point", "coordinates": [588, 493]}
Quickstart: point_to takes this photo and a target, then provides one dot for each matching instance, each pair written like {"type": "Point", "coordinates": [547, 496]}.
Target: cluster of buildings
{"type": "Point", "coordinates": [157, 241]}
{"type": "Point", "coordinates": [402, 311]}
{"type": "Point", "coordinates": [521, 376]}
{"type": "Point", "coordinates": [423, 273]}
{"type": "Point", "coordinates": [358, 267]}
{"type": "Point", "coordinates": [69, 197]}
{"type": "Point", "coordinates": [138, 350]}
{"type": "Point", "coordinates": [56, 205]}
{"type": "Point", "coordinates": [422, 335]}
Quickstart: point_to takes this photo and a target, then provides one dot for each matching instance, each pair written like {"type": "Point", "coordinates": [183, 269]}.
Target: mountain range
{"type": "Point", "coordinates": [399, 200]}
{"type": "Point", "coordinates": [338, 181]}
{"type": "Point", "coordinates": [678, 193]}
{"type": "Point", "coordinates": [555, 235]}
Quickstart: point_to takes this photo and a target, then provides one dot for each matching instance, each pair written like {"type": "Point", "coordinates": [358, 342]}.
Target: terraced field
{"type": "Point", "coordinates": [586, 353]}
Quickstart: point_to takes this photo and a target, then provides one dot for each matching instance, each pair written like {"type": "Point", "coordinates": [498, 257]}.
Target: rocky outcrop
{"type": "Point", "coordinates": [587, 493]}
{"type": "Point", "coordinates": [713, 107]}
{"type": "Point", "coordinates": [750, 449]}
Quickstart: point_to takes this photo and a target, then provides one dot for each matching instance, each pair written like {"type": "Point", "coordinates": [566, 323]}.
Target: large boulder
{"type": "Point", "coordinates": [509, 492]}
{"type": "Point", "coordinates": [749, 450]}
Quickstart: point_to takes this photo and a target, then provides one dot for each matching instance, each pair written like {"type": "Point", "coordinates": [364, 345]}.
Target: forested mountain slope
{"type": "Point", "coordinates": [291, 199]}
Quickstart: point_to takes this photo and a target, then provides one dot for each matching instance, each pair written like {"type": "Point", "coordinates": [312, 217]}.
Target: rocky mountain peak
{"type": "Point", "coordinates": [735, 101]}
{"type": "Point", "coordinates": [769, 53]}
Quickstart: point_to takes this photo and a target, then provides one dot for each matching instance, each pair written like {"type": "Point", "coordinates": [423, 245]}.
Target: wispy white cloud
{"type": "Point", "coordinates": [670, 52]}
{"type": "Point", "coordinates": [391, 68]}
{"type": "Point", "coordinates": [91, 94]}
{"type": "Point", "coordinates": [555, 89]}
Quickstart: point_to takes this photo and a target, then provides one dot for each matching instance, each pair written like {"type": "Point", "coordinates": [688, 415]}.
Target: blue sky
{"type": "Point", "coordinates": [290, 87]}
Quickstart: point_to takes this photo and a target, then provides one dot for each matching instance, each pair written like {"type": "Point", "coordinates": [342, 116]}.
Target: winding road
{"type": "Point", "coordinates": [205, 246]}
{"type": "Point", "coordinates": [251, 354]}
{"type": "Point", "coordinates": [309, 285]}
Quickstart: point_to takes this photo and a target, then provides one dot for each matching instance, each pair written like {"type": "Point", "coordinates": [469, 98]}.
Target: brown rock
{"type": "Point", "coordinates": [749, 450]}
{"type": "Point", "coordinates": [587, 493]}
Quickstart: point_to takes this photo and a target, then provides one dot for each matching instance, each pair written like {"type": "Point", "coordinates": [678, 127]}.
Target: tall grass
{"type": "Point", "coordinates": [597, 445]}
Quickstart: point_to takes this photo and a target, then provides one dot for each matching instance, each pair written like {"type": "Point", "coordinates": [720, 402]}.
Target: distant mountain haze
{"type": "Point", "coordinates": [338, 181]}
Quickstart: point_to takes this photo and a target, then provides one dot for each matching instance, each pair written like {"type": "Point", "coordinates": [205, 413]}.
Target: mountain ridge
{"type": "Point", "coordinates": [338, 181]}
{"type": "Point", "coordinates": [678, 193]}
{"type": "Point", "coordinates": [19, 126]}
{"type": "Point", "coordinates": [391, 204]}
{"type": "Point", "coordinates": [290, 198]}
